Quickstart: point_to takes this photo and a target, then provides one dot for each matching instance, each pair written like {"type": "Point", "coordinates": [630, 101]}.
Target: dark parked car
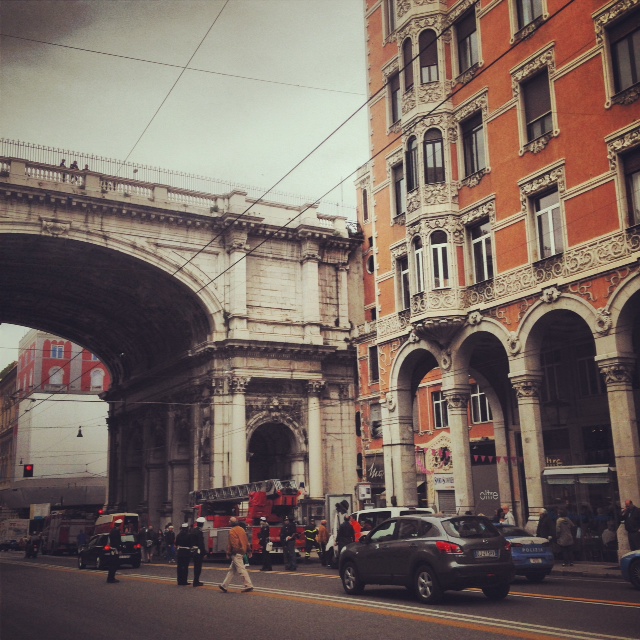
{"type": "Point", "coordinates": [430, 555]}
{"type": "Point", "coordinates": [98, 553]}
{"type": "Point", "coordinates": [532, 556]}
{"type": "Point", "coordinates": [10, 545]}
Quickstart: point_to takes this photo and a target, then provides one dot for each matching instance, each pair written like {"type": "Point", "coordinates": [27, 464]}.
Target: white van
{"type": "Point", "coordinates": [375, 516]}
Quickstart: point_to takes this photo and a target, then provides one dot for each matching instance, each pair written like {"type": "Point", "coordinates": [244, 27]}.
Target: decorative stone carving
{"type": "Point", "coordinates": [531, 67]}
{"type": "Point", "coordinates": [456, 400]}
{"type": "Point", "coordinates": [526, 387]}
{"type": "Point", "coordinates": [529, 29]}
{"type": "Point", "coordinates": [479, 103]}
{"type": "Point", "coordinates": [413, 337]}
{"type": "Point", "coordinates": [627, 96]}
{"type": "Point", "coordinates": [446, 360]}
{"type": "Point", "coordinates": [611, 14]}
{"type": "Point", "coordinates": [431, 92]}
{"type": "Point", "coordinates": [436, 193]}
{"type": "Point", "coordinates": [398, 251]}
{"type": "Point", "coordinates": [480, 212]}
{"type": "Point", "coordinates": [619, 144]}
{"type": "Point", "coordinates": [457, 11]}
{"type": "Point", "coordinates": [408, 101]}
{"type": "Point", "coordinates": [55, 228]}
{"type": "Point", "coordinates": [603, 321]}
{"type": "Point", "coordinates": [553, 177]}
{"type": "Point", "coordinates": [391, 402]}
{"type": "Point", "coordinates": [537, 145]}
{"type": "Point", "coordinates": [474, 179]}
{"type": "Point", "coordinates": [550, 295]}
{"type": "Point", "coordinates": [469, 74]}
{"type": "Point", "coordinates": [315, 387]}
{"type": "Point", "coordinates": [238, 384]}
{"type": "Point", "coordinates": [513, 344]}
{"type": "Point", "coordinates": [440, 330]}
{"type": "Point", "coordinates": [413, 202]}
{"type": "Point", "coordinates": [474, 318]}
{"type": "Point", "coordinates": [617, 372]}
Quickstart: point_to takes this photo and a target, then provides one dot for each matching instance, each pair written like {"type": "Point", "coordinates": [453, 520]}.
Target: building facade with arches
{"type": "Point", "coordinates": [498, 362]}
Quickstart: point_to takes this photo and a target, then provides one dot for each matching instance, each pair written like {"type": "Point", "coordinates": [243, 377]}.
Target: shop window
{"type": "Point", "coordinates": [624, 39]}
{"type": "Point", "coordinates": [407, 62]}
{"type": "Point", "coordinates": [428, 45]}
{"type": "Point", "coordinates": [482, 252]}
{"type": "Point", "coordinates": [439, 259]}
{"type": "Point", "coordinates": [473, 144]}
{"type": "Point", "coordinates": [537, 106]}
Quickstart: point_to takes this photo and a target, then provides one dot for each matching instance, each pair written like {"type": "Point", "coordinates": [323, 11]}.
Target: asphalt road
{"type": "Point", "coordinates": [50, 598]}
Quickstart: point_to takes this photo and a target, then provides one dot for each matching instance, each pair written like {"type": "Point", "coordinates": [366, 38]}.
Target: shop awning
{"type": "Point", "coordinates": [587, 474]}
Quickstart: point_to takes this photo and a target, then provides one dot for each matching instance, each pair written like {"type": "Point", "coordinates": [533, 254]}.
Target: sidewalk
{"type": "Point", "coordinates": [588, 570]}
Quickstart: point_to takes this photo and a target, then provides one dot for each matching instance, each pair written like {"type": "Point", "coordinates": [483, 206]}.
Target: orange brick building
{"type": "Point", "coordinates": [498, 363]}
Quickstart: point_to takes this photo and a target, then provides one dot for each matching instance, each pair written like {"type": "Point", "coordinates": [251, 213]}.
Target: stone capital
{"type": "Point", "coordinates": [457, 399]}
{"type": "Point", "coordinates": [315, 387]}
{"type": "Point", "coordinates": [527, 385]}
{"type": "Point", "coordinates": [617, 370]}
{"type": "Point", "coordinates": [238, 384]}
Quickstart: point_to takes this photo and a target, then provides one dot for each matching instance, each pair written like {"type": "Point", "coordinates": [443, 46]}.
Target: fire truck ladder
{"type": "Point", "coordinates": [241, 491]}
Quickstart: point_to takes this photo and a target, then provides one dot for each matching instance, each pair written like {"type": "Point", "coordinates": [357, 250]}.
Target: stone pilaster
{"type": "Point", "coordinates": [527, 387]}
{"type": "Point", "coordinates": [311, 292]}
{"type": "Point", "coordinates": [343, 295]}
{"type": "Point", "coordinates": [239, 467]}
{"type": "Point", "coordinates": [236, 242]}
{"type": "Point", "coordinates": [316, 458]}
{"type": "Point", "coordinates": [457, 402]}
{"type": "Point", "coordinates": [618, 375]}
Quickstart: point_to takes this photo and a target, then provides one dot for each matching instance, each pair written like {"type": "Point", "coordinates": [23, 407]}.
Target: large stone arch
{"type": "Point", "coordinates": [621, 316]}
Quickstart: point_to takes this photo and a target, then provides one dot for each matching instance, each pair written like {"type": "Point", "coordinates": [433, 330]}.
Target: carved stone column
{"type": "Point", "coordinates": [457, 402]}
{"type": "Point", "coordinates": [399, 450]}
{"type": "Point", "coordinates": [239, 467]}
{"type": "Point", "coordinates": [311, 292]}
{"type": "Point", "coordinates": [618, 375]}
{"type": "Point", "coordinates": [316, 457]}
{"type": "Point", "coordinates": [116, 464]}
{"type": "Point", "coordinates": [220, 443]}
{"type": "Point", "coordinates": [527, 387]}
{"type": "Point", "coordinates": [504, 480]}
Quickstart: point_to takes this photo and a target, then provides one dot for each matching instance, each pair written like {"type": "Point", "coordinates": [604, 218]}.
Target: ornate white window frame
{"type": "Point", "coordinates": [519, 34]}
{"type": "Point", "coordinates": [530, 187]}
{"type": "Point", "coordinates": [617, 144]}
{"type": "Point", "coordinates": [469, 217]}
{"type": "Point", "coordinates": [480, 103]}
{"type": "Point", "coordinates": [393, 160]}
{"type": "Point", "coordinates": [462, 77]}
{"type": "Point", "coordinates": [602, 20]}
{"type": "Point", "coordinates": [387, 72]}
{"type": "Point", "coordinates": [540, 60]}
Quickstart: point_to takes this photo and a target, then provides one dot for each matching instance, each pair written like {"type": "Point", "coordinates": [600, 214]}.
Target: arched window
{"type": "Point", "coordinates": [56, 376]}
{"type": "Point", "coordinates": [439, 259]}
{"type": "Point", "coordinates": [97, 379]}
{"type": "Point", "coordinates": [428, 45]}
{"type": "Point", "coordinates": [412, 164]}
{"type": "Point", "coordinates": [407, 62]}
{"type": "Point", "coordinates": [433, 157]}
{"type": "Point", "coordinates": [418, 255]}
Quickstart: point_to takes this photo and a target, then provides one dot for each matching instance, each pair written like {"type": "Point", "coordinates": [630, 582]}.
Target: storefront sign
{"type": "Point", "coordinates": [444, 481]}
{"type": "Point", "coordinates": [375, 469]}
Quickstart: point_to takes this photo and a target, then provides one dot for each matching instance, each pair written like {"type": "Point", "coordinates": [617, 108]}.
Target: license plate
{"type": "Point", "coordinates": [535, 560]}
{"type": "Point", "coordinates": [124, 557]}
{"type": "Point", "coordinates": [485, 553]}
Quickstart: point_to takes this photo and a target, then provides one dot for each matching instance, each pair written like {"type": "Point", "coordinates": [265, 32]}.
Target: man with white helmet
{"type": "Point", "coordinates": [115, 542]}
{"type": "Point", "coordinates": [183, 547]}
{"type": "Point", "coordinates": [199, 551]}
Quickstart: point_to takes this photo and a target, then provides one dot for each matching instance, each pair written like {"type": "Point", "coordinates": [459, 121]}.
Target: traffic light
{"type": "Point", "coordinates": [27, 471]}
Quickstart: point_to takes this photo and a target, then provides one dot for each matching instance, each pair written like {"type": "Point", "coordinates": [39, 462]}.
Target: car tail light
{"type": "Point", "coordinates": [137, 546]}
{"type": "Point", "coordinates": [449, 547]}
{"type": "Point", "coordinates": [107, 547]}
{"type": "Point", "coordinates": [508, 545]}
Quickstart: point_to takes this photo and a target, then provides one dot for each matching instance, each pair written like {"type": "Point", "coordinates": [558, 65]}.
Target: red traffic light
{"type": "Point", "coordinates": [27, 471]}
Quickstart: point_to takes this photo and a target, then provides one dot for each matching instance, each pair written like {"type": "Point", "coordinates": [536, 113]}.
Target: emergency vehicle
{"type": "Point", "coordinates": [271, 499]}
{"type": "Point", "coordinates": [61, 530]}
{"type": "Point", "coordinates": [104, 523]}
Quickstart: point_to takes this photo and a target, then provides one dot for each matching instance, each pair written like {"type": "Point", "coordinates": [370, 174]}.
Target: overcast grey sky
{"type": "Point", "coordinates": [271, 79]}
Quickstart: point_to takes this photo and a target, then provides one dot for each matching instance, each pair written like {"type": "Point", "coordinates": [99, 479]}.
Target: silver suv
{"type": "Point", "coordinates": [429, 555]}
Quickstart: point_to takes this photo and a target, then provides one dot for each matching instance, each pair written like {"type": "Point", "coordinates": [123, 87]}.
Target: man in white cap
{"type": "Point", "coordinates": [264, 537]}
{"type": "Point", "coordinates": [199, 551]}
{"type": "Point", "coordinates": [183, 546]}
{"type": "Point", "coordinates": [115, 542]}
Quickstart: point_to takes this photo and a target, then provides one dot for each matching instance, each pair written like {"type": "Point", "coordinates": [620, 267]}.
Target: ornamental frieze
{"type": "Point", "coordinates": [390, 69]}
{"type": "Point", "coordinates": [417, 25]}
{"type": "Point", "coordinates": [457, 11]}
{"type": "Point", "coordinates": [408, 101]}
{"type": "Point", "coordinates": [398, 251]}
{"type": "Point", "coordinates": [431, 92]}
{"type": "Point", "coordinates": [450, 224]}
{"type": "Point", "coordinates": [276, 408]}
{"type": "Point", "coordinates": [474, 179]}
{"type": "Point", "coordinates": [469, 74]}
{"type": "Point", "coordinates": [611, 14]}
{"type": "Point", "coordinates": [413, 202]}
{"type": "Point", "coordinates": [479, 103]}
{"type": "Point", "coordinates": [583, 289]}
{"type": "Point", "coordinates": [394, 159]}
{"type": "Point", "coordinates": [439, 193]}
{"type": "Point", "coordinates": [537, 145]}
{"type": "Point", "coordinates": [546, 59]}
{"type": "Point", "coordinates": [627, 96]}
{"type": "Point", "coordinates": [55, 228]}
{"type": "Point", "coordinates": [620, 144]}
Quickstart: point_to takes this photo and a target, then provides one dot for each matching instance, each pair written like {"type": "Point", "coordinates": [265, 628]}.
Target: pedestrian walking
{"type": "Point", "coordinates": [264, 538]}
{"type": "Point", "coordinates": [631, 519]}
{"type": "Point", "coordinates": [323, 538]}
{"type": "Point", "coordinates": [546, 527]}
{"type": "Point", "coordinates": [170, 544]}
{"type": "Point", "coordinates": [346, 534]}
{"type": "Point", "coordinates": [310, 539]}
{"type": "Point", "coordinates": [199, 550]}
{"type": "Point", "coordinates": [115, 542]}
{"type": "Point", "coordinates": [507, 516]}
{"type": "Point", "coordinates": [183, 550]}
{"type": "Point", "coordinates": [288, 537]}
{"type": "Point", "coordinates": [237, 547]}
{"type": "Point", "coordinates": [564, 534]}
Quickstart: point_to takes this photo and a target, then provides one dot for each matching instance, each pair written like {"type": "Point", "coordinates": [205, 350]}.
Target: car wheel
{"type": "Point", "coordinates": [81, 563]}
{"type": "Point", "coordinates": [351, 580]}
{"type": "Point", "coordinates": [98, 563]}
{"type": "Point", "coordinates": [536, 577]}
{"type": "Point", "coordinates": [497, 593]}
{"type": "Point", "coordinates": [634, 574]}
{"type": "Point", "coordinates": [426, 586]}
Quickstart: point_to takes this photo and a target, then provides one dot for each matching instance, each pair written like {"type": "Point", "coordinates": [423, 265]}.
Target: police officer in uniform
{"type": "Point", "coordinates": [198, 551]}
{"type": "Point", "coordinates": [115, 542]}
{"type": "Point", "coordinates": [183, 546]}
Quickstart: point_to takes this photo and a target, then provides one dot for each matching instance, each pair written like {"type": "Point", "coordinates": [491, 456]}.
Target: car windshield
{"type": "Point", "coordinates": [128, 538]}
{"type": "Point", "coordinates": [470, 528]}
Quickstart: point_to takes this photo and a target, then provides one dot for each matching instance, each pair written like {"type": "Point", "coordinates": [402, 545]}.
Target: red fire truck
{"type": "Point", "coordinates": [272, 499]}
{"type": "Point", "coordinates": [61, 530]}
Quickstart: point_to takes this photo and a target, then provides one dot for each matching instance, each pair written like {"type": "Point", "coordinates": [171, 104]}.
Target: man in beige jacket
{"type": "Point", "coordinates": [236, 549]}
